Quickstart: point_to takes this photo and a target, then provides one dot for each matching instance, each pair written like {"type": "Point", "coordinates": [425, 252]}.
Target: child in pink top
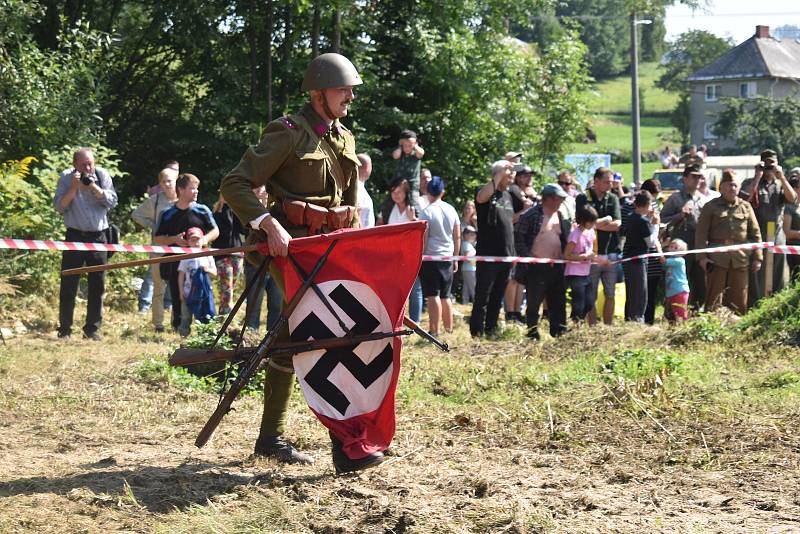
{"type": "Point", "coordinates": [580, 248]}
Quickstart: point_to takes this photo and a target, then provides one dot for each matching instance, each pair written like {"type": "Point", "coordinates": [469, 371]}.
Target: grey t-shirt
{"type": "Point", "coordinates": [441, 218]}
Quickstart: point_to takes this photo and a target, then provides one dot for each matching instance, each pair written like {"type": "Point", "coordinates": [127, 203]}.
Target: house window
{"type": "Point", "coordinates": [748, 89]}
{"type": "Point", "coordinates": [707, 131]}
{"type": "Point", "coordinates": [713, 92]}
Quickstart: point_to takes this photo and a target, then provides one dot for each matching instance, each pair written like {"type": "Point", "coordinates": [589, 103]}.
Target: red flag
{"type": "Point", "coordinates": [367, 279]}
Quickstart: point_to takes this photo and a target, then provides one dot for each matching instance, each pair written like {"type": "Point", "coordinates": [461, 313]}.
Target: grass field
{"type": "Point", "coordinates": [613, 96]}
{"type": "Point", "coordinates": [610, 105]}
{"type": "Point", "coordinates": [612, 429]}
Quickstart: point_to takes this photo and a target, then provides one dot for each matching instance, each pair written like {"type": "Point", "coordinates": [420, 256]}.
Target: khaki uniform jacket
{"type": "Point", "coordinates": [292, 163]}
{"type": "Point", "coordinates": [722, 224]}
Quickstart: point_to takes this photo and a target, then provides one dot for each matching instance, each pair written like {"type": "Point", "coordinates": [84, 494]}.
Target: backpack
{"type": "Point", "coordinates": [201, 297]}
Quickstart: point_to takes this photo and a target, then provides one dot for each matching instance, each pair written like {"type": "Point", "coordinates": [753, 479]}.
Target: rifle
{"type": "Point", "coordinates": [251, 365]}
{"type": "Point", "coordinates": [430, 337]}
{"type": "Point", "coordinates": [187, 356]}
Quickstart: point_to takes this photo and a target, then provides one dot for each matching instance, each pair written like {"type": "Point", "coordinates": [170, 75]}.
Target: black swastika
{"type": "Point", "coordinates": [317, 378]}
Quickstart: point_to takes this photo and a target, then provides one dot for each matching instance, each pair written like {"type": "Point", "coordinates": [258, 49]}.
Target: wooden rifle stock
{"type": "Point", "coordinates": [418, 330]}
{"type": "Point", "coordinates": [186, 356]}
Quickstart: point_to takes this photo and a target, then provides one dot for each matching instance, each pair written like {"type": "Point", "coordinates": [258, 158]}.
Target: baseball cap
{"type": "Point", "coordinates": [519, 168]}
{"type": "Point", "coordinates": [795, 171]}
{"type": "Point", "coordinates": [436, 186]}
{"type": "Point", "coordinates": [511, 155]}
{"type": "Point", "coordinates": [550, 190]}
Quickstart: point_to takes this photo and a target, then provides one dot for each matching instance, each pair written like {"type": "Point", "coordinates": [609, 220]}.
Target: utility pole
{"type": "Point", "coordinates": [635, 119]}
{"type": "Point", "coordinates": [637, 154]}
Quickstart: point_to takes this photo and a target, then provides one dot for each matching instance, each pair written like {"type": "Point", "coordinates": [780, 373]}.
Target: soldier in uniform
{"type": "Point", "coordinates": [309, 166]}
{"type": "Point", "coordinates": [769, 193]}
{"type": "Point", "coordinates": [728, 220]}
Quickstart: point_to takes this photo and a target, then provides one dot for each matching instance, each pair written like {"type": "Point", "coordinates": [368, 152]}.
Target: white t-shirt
{"type": "Point", "coordinates": [441, 218]}
{"type": "Point", "coordinates": [396, 217]}
{"type": "Point", "coordinates": [190, 266]}
{"type": "Point", "coordinates": [366, 211]}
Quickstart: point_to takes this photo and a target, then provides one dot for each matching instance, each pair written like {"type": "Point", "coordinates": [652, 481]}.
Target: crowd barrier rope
{"type": "Point", "coordinates": [37, 244]}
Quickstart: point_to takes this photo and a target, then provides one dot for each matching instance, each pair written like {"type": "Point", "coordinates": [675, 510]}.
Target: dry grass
{"type": "Point", "coordinates": [498, 436]}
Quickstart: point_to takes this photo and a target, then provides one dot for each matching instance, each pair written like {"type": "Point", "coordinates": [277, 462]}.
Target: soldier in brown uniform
{"type": "Point", "coordinates": [308, 164]}
{"type": "Point", "coordinates": [728, 220]}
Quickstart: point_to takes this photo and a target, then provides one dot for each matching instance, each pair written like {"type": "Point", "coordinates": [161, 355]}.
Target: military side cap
{"type": "Point", "coordinates": [767, 154]}
{"type": "Point", "coordinates": [330, 70]}
{"type": "Point", "coordinates": [727, 176]}
{"type": "Point", "coordinates": [692, 168]}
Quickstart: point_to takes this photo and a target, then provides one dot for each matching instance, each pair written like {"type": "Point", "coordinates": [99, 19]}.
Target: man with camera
{"type": "Point", "coordinates": [768, 192]}
{"type": "Point", "coordinates": [84, 196]}
{"type": "Point", "coordinates": [495, 238]}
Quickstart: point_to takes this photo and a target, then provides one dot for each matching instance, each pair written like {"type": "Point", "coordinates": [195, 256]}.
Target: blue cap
{"type": "Point", "coordinates": [436, 186]}
{"type": "Point", "coordinates": [553, 190]}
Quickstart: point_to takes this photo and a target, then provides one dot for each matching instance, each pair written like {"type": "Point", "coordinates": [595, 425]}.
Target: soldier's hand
{"type": "Point", "coordinates": [756, 266]}
{"type": "Point", "coordinates": [277, 237]}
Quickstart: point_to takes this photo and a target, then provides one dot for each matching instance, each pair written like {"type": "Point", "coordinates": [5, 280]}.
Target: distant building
{"type": "Point", "coordinates": [762, 65]}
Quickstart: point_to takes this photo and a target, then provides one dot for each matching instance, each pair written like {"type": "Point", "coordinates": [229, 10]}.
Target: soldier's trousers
{"type": "Point", "coordinates": [278, 381]}
{"type": "Point", "coordinates": [727, 287]}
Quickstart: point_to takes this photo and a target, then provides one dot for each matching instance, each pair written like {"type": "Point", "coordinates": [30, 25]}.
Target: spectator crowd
{"type": "Point", "coordinates": [586, 230]}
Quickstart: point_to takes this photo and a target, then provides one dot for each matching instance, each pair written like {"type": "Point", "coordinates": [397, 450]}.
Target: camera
{"type": "Point", "coordinates": [87, 179]}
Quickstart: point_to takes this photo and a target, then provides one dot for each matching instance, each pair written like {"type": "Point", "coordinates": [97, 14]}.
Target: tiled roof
{"type": "Point", "coordinates": [764, 57]}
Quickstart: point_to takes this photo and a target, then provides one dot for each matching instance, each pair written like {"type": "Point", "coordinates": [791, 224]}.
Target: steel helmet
{"type": "Point", "coordinates": [330, 70]}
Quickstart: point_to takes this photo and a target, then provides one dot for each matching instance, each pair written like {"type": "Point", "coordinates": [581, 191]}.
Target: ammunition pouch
{"type": "Point", "coordinates": [340, 217]}
{"type": "Point", "coordinates": [299, 213]}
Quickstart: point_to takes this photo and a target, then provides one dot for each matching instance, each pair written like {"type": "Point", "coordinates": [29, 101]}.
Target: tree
{"type": "Point", "coordinates": [691, 51]}
{"type": "Point", "coordinates": [761, 122]}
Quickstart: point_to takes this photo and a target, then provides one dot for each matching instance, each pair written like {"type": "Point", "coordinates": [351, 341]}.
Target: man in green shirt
{"type": "Point", "coordinates": [308, 157]}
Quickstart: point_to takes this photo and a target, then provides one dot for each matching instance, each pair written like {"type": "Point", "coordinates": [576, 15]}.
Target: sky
{"type": "Point", "coordinates": [732, 18]}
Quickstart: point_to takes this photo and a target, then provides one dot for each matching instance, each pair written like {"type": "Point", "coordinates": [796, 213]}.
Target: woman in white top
{"type": "Point", "coordinates": [397, 207]}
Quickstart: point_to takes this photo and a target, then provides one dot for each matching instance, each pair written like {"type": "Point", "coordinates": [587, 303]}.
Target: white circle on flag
{"type": "Point", "coordinates": [360, 399]}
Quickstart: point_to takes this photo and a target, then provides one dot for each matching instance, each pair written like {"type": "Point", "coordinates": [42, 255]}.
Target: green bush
{"type": "Point", "coordinates": [776, 318]}
{"type": "Point", "coordinates": [156, 370]}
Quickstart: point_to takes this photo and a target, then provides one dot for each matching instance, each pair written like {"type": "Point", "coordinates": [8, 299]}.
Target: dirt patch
{"type": "Point", "coordinates": [86, 446]}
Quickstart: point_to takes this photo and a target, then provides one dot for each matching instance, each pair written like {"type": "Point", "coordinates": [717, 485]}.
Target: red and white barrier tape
{"type": "Point", "coordinates": [517, 259]}
{"type": "Point", "coordinates": [46, 244]}
{"type": "Point", "coordinates": [36, 244]}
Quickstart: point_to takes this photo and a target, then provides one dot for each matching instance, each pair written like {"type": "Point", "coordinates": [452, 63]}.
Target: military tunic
{"type": "Point", "coordinates": [771, 204]}
{"type": "Point", "coordinates": [722, 223]}
{"type": "Point", "coordinates": [292, 162]}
